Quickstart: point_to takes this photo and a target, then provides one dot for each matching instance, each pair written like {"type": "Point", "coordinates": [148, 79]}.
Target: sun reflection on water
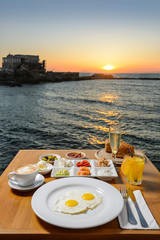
{"type": "Point", "coordinates": [95, 140]}
{"type": "Point", "coordinates": [100, 124]}
{"type": "Point", "coordinates": [107, 97]}
{"type": "Point", "coordinates": [108, 113]}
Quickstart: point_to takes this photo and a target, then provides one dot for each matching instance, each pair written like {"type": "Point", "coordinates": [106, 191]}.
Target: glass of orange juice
{"type": "Point", "coordinates": [132, 168]}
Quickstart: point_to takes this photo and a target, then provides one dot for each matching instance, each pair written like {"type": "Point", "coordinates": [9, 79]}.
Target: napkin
{"type": "Point", "coordinates": [123, 218]}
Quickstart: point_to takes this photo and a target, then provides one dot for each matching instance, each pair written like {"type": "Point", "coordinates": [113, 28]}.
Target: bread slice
{"type": "Point", "coordinates": [123, 149]}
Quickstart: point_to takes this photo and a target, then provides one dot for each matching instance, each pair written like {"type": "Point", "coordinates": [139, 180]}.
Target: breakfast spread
{"type": "Point", "coordinates": [123, 148]}
{"type": "Point", "coordinates": [75, 202]}
{"type": "Point", "coordinates": [87, 168]}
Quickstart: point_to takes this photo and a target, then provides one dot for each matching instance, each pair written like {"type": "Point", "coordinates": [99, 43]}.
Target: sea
{"type": "Point", "coordinates": [77, 115]}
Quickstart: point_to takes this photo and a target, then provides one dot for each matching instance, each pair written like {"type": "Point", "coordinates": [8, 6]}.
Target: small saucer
{"type": "Point", "coordinates": [49, 168]}
{"type": "Point", "coordinates": [38, 181]}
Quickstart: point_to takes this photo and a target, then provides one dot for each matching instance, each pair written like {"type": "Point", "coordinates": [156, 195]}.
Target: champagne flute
{"type": "Point", "coordinates": [114, 138]}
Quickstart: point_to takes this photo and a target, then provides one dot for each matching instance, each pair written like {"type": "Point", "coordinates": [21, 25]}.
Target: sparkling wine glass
{"type": "Point", "coordinates": [114, 138]}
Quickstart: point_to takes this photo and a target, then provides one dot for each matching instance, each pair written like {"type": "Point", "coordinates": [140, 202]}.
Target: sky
{"type": "Point", "coordinates": [84, 35]}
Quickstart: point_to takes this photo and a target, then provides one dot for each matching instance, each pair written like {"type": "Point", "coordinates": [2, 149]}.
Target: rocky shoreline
{"type": "Point", "coordinates": [18, 78]}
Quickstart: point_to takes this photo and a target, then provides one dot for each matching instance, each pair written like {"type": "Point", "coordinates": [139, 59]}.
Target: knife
{"type": "Point", "coordinates": [141, 218]}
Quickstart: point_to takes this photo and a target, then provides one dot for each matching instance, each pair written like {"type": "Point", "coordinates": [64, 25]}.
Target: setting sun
{"type": "Point", "coordinates": [109, 67]}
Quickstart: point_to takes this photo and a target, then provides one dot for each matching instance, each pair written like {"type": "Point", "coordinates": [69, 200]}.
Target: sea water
{"type": "Point", "coordinates": [70, 115]}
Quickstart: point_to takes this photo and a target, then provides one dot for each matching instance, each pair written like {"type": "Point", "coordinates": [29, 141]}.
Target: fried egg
{"type": "Point", "coordinates": [89, 198]}
{"type": "Point", "coordinates": [92, 199]}
{"type": "Point", "coordinates": [69, 204]}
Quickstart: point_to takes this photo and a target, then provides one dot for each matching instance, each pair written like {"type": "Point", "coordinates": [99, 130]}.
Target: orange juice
{"type": "Point", "coordinates": [132, 168]}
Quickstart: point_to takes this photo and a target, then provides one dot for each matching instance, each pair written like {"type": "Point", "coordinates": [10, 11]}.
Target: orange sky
{"type": "Point", "coordinates": [84, 36]}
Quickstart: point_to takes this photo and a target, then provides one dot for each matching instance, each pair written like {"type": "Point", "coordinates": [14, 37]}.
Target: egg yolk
{"type": "Point", "coordinates": [88, 196]}
{"type": "Point", "coordinates": [71, 203]}
{"type": "Point", "coordinates": [40, 165]}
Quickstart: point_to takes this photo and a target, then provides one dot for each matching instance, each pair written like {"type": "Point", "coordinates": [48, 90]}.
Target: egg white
{"type": "Point", "coordinates": [60, 206]}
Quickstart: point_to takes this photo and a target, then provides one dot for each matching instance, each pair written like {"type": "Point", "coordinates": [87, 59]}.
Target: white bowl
{"type": "Point", "coordinates": [68, 155]}
{"type": "Point", "coordinates": [50, 154]}
{"type": "Point", "coordinates": [49, 168]}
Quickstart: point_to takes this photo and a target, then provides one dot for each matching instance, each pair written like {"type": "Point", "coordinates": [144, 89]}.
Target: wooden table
{"type": "Point", "coordinates": [18, 221]}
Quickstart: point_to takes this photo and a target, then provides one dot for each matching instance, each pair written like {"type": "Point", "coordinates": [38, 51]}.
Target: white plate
{"type": "Point", "coordinates": [43, 203]}
{"type": "Point", "coordinates": [49, 168]}
{"type": "Point", "coordinates": [38, 182]}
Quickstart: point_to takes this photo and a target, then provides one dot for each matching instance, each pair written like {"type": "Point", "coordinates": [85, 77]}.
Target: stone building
{"type": "Point", "coordinates": [22, 62]}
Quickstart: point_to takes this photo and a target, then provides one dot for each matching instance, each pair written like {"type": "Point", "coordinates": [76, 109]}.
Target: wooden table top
{"type": "Point", "coordinates": [17, 219]}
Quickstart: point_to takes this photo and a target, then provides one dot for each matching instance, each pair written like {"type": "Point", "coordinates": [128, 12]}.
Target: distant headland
{"type": "Point", "coordinates": [27, 69]}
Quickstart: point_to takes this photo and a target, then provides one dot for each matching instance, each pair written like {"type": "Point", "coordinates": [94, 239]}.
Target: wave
{"type": "Point", "coordinates": [78, 115]}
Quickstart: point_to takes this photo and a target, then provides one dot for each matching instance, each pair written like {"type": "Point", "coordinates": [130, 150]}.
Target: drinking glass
{"type": "Point", "coordinates": [114, 138]}
{"type": "Point", "coordinates": [134, 169]}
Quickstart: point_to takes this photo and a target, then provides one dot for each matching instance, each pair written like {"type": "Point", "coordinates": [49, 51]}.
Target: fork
{"type": "Point", "coordinates": [131, 218]}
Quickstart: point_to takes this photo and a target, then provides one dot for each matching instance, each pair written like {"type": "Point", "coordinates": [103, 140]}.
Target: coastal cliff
{"type": "Point", "coordinates": [19, 77]}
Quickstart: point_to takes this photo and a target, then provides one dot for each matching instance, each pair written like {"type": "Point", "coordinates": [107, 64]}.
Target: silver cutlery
{"type": "Point", "coordinates": [131, 218]}
{"type": "Point", "coordinates": [141, 218]}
